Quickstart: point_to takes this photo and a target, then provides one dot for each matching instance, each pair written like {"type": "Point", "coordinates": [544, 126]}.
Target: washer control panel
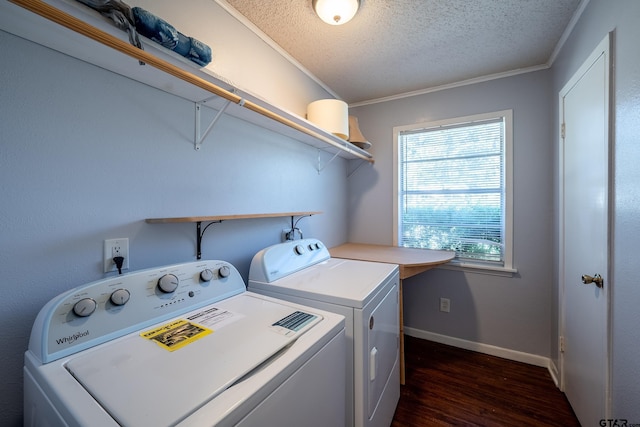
{"type": "Point", "coordinates": [106, 309]}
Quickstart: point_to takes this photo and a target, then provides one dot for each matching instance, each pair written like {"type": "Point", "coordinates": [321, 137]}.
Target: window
{"type": "Point", "coordinates": [453, 188]}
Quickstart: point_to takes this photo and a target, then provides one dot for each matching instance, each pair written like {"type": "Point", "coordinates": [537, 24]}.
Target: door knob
{"type": "Point", "coordinates": [597, 279]}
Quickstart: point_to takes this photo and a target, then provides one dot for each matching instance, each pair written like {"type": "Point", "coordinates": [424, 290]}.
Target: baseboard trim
{"type": "Point", "coordinates": [505, 353]}
{"type": "Point", "coordinates": [553, 371]}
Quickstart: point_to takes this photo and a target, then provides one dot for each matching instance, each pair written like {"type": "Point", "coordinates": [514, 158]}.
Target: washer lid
{"type": "Point", "coordinates": [165, 373]}
{"type": "Point", "coordinates": [344, 282]}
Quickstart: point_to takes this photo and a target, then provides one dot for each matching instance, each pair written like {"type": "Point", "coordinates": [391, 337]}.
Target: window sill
{"type": "Point", "coordinates": [480, 269]}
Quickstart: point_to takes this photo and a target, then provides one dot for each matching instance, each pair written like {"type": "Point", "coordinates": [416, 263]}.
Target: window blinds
{"type": "Point", "coordinates": [452, 189]}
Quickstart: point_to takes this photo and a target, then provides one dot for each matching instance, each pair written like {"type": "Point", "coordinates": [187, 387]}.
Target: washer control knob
{"type": "Point", "coordinates": [120, 296]}
{"type": "Point", "coordinates": [318, 245]}
{"type": "Point", "coordinates": [85, 307]}
{"type": "Point", "coordinates": [224, 271]}
{"type": "Point", "coordinates": [168, 283]}
{"type": "Point", "coordinates": [299, 249]}
{"type": "Point", "coordinates": [206, 275]}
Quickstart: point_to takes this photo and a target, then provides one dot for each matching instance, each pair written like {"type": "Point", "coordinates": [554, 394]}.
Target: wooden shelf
{"type": "Point", "coordinates": [80, 32]}
{"type": "Point", "coordinates": [219, 218]}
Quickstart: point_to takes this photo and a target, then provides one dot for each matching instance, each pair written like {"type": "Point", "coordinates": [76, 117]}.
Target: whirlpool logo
{"type": "Point", "coordinates": [72, 338]}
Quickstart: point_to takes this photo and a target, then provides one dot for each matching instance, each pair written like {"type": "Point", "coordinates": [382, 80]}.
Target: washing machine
{"type": "Point", "coordinates": [183, 345]}
{"type": "Point", "coordinates": [366, 293]}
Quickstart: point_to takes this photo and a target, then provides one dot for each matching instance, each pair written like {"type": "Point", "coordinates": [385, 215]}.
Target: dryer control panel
{"type": "Point", "coordinates": [283, 259]}
{"type": "Point", "coordinates": [110, 308]}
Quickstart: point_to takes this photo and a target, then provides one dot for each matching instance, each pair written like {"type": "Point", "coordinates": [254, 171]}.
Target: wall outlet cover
{"type": "Point", "coordinates": [113, 248]}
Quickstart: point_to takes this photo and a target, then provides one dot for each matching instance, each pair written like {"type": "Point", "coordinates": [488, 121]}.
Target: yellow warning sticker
{"type": "Point", "coordinates": [177, 334]}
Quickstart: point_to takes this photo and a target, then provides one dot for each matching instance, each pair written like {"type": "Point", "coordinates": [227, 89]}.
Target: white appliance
{"type": "Point", "coordinates": [366, 293]}
{"type": "Point", "coordinates": [183, 345]}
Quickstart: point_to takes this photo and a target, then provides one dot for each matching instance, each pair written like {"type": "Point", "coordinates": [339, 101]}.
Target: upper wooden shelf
{"type": "Point", "coordinates": [216, 218]}
{"type": "Point", "coordinates": [108, 47]}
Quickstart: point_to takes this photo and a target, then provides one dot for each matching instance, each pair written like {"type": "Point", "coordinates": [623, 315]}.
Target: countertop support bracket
{"type": "Point", "coordinates": [198, 110]}
{"type": "Point", "coordinates": [199, 233]}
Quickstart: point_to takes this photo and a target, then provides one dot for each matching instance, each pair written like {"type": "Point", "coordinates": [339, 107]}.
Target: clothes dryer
{"type": "Point", "coordinates": [366, 293]}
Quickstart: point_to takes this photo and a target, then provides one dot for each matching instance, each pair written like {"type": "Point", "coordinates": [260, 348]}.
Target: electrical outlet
{"type": "Point", "coordinates": [289, 234]}
{"type": "Point", "coordinates": [445, 305]}
{"type": "Point", "coordinates": [114, 248]}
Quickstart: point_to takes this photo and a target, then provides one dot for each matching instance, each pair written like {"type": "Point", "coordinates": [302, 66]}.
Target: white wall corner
{"type": "Point", "coordinates": [553, 371]}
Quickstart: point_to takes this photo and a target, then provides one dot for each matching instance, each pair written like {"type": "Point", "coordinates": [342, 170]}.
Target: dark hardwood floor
{"type": "Point", "coordinates": [449, 386]}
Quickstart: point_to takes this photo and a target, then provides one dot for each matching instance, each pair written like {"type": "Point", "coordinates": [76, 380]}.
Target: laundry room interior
{"type": "Point", "coordinates": [89, 154]}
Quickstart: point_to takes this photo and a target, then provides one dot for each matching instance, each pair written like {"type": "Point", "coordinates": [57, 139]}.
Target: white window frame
{"type": "Point", "coordinates": [506, 269]}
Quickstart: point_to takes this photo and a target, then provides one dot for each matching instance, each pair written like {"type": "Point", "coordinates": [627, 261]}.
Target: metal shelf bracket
{"type": "Point", "coordinates": [294, 226]}
{"type": "Point", "coordinates": [350, 174]}
{"type": "Point", "coordinates": [320, 168]}
{"type": "Point", "coordinates": [199, 233]}
{"type": "Point", "coordinates": [198, 138]}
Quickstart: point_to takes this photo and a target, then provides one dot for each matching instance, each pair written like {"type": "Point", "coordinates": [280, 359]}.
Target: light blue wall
{"type": "Point", "coordinates": [512, 313]}
{"type": "Point", "coordinates": [87, 155]}
{"type": "Point", "coordinates": [622, 17]}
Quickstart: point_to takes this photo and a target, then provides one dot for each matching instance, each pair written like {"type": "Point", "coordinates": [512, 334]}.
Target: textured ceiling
{"type": "Point", "coordinates": [397, 46]}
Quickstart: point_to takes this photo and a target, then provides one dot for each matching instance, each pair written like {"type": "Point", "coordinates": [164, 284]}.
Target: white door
{"type": "Point", "coordinates": [584, 311]}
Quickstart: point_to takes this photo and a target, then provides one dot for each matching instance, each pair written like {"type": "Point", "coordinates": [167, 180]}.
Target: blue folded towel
{"type": "Point", "coordinates": [163, 33]}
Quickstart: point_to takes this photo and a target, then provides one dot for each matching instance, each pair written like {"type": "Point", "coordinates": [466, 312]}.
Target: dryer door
{"type": "Point", "coordinates": [383, 330]}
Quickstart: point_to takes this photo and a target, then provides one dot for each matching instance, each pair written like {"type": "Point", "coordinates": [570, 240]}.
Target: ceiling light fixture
{"type": "Point", "coordinates": [336, 12]}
